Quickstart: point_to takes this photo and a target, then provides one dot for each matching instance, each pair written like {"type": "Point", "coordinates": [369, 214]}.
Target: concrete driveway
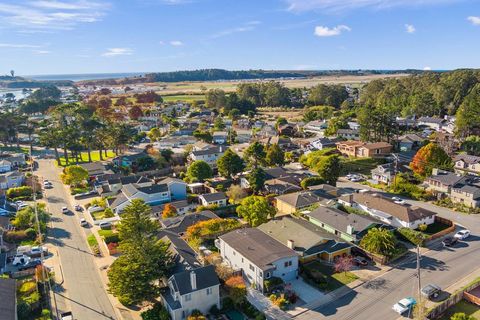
{"type": "Point", "coordinates": [305, 291]}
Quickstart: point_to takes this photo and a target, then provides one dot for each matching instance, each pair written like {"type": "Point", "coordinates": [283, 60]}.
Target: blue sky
{"type": "Point", "coordinates": [86, 36]}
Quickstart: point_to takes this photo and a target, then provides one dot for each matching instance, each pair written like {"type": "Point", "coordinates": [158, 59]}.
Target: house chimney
{"type": "Point", "coordinates": [193, 280]}
{"type": "Point", "coordinates": [350, 229]}
{"type": "Point", "coordinates": [435, 172]}
{"type": "Point", "coordinates": [291, 244]}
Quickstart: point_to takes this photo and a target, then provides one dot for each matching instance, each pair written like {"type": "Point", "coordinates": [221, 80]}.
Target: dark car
{"type": "Point", "coordinates": [449, 241]}
{"type": "Point", "coordinates": [29, 265]}
{"type": "Point", "coordinates": [431, 291]}
{"type": "Point", "coordinates": [360, 261]}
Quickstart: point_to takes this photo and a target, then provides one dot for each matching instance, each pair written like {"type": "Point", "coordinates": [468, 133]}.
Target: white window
{"type": "Point", "coordinates": [188, 297]}
{"type": "Point", "coordinates": [252, 267]}
{"type": "Point", "coordinates": [209, 291]}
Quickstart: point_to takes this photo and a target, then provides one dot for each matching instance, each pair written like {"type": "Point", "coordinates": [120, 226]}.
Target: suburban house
{"type": "Point", "coordinates": [309, 241]}
{"type": "Point", "coordinates": [209, 155]}
{"type": "Point", "coordinates": [5, 166]}
{"type": "Point", "coordinates": [292, 202]}
{"type": "Point", "coordinates": [182, 207]}
{"type": "Point", "coordinates": [316, 126]}
{"type": "Point", "coordinates": [110, 186]}
{"type": "Point", "coordinates": [281, 186]}
{"type": "Point", "coordinates": [16, 159]}
{"type": "Point", "coordinates": [202, 145]}
{"type": "Point", "coordinates": [286, 130]}
{"type": "Point", "coordinates": [467, 164]}
{"type": "Point", "coordinates": [165, 191]}
{"type": "Point", "coordinates": [441, 182]}
{"type": "Point", "coordinates": [285, 143]}
{"type": "Point", "coordinates": [197, 289]}
{"type": "Point", "coordinates": [258, 256]}
{"type": "Point", "coordinates": [217, 198]}
{"type": "Point", "coordinates": [385, 173]}
{"type": "Point", "coordinates": [432, 122]}
{"type": "Point", "coordinates": [175, 142]}
{"type": "Point", "coordinates": [129, 160]}
{"type": "Point", "coordinates": [12, 179]}
{"type": "Point", "coordinates": [220, 137]}
{"type": "Point", "coordinates": [323, 143]}
{"type": "Point", "coordinates": [348, 134]}
{"type": "Point", "coordinates": [94, 168]}
{"type": "Point", "coordinates": [467, 191]}
{"type": "Point", "coordinates": [349, 227]}
{"type": "Point", "coordinates": [409, 142]}
{"type": "Point", "coordinates": [279, 173]}
{"type": "Point", "coordinates": [8, 296]}
{"type": "Point", "coordinates": [387, 211]}
{"type": "Point", "coordinates": [358, 149]}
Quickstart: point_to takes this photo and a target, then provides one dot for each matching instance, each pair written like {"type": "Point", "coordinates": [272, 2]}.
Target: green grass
{"type": "Point", "coordinates": [94, 154]}
{"type": "Point", "coordinates": [184, 97]}
{"type": "Point", "coordinates": [105, 233]}
{"type": "Point", "coordinates": [462, 306]}
{"type": "Point", "coordinates": [334, 280]}
{"type": "Point", "coordinates": [360, 165]}
{"type": "Point", "coordinates": [435, 227]}
{"type": "Point", "coordinates": [92, 241]}
{"type": "Point", "coordinates": [15, 149]}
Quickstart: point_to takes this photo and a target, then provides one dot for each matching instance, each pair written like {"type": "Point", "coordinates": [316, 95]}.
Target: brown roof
{"type": "Point", "coordinates": [351, 143]}
{"type": "Point", "coordinates": [377, 145]}
{"type": "Point", "coordinates": [259, 248]}
{"type": "Point", "coordinates": [375, 201]}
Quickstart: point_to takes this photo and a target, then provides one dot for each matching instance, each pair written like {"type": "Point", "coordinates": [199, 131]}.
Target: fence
{"type": "Point", "coordinates": [446, 231]}
{"type": "Point", "coordinates": [456, 297]}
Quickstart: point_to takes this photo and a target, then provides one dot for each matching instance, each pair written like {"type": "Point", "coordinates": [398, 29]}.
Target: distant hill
{"type": "Point", "coordinates": [21, 82]}
{"type": "Point", "coordinates": [221, 74]}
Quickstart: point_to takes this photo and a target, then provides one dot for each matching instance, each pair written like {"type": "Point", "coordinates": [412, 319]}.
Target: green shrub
{"type": "Point", "coordinates": [108, 213]}
{"type": "Point", "coordinates": [423, 227]}
{"type": "Point", "coordinates": [157, 312]}
{"type": "Point", "coordinates": [15, 236]}
{"type": "Point", "coordinates": [27, 287]}
{"type": "Point", "coordinates": [227, 304]}
{"type": "Point", "coordinates": [272, 283]}
{"type": "Point", "coordinates": [24, 191]}
{"type": "Point", "coordinates": [311, 181]}
{"type": "Point", "coordinates": [214, 310]}
{"type": "Point", "coordinates": [413, 236]}
{"type": "Point", "coordinates": [31, 233]}
{"type": "Point", "coordinates": [111, 238]}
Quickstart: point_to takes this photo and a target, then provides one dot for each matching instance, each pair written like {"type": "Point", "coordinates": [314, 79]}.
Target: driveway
{"type": "Point", "coordinates": [305, 291]}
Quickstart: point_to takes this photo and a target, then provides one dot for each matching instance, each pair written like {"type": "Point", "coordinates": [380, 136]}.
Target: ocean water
{"type": "Point", "coordinates": [84, 76]}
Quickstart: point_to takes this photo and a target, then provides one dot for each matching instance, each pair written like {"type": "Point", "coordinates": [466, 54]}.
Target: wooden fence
{"type": "Point", "coordinates": [456, 297]}
{"type": "Point", "coordinates": [446, 231]}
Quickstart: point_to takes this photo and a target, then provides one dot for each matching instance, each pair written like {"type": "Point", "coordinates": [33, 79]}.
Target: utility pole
{"type": "Point", "coordinates": [420, 304]}
{"type": "Point", "coordinates": [395, 170]}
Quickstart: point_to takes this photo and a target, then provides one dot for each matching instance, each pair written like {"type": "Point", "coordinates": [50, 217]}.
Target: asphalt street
{"type": "Point", "coordinates": [442, 266]}
{"type": "Point", "coordinates": [82, 291]}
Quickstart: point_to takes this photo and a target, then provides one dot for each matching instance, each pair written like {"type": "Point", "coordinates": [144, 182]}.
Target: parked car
{"type": "Point", "coordinates": [83, 222]}
{"type": "Point", "coordinates": [431, 291]}
{"type": "Point", "coordinates": [105, 225]}
{"type": "Point", "coordinates": [78, 207]}
{"type": "Point", "coordinates": [20, 259]}
{"type": "Point", "coordinates": [462, 234]}
{"type": "Point", "coordinates": [404, 305]}
{"type": "Point", "coordinates": [449, 241]}
{"type": "Point", "coordinates": [65, 210]}
{"type": "Point", "coordinates": [85, 195]}
{"type": "Point", "coordinates": [20, 204]}
{"type": "Point", "coordinates": [356, 179]}
{"type": "Point", "coordinates": [30, 264]}
{"type": "Point", "coordinates": [360, 261]}
{"type": "Point", "coordinates": [66, 316]}
{"type": "Point", "coordinates": [47, 184]}
{"type": "Point", "coordinates": [37, 251]}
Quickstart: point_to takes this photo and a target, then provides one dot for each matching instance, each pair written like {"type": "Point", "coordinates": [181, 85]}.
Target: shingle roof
{"type": "Point", "coordinates": [405, 212]}
{"type": "Point", "coordinates": [155, 188]}
{"type": "Point", "coordinates": [259, 248]}
{"type": "Point", "coordinates": [467, 158]}
{"type": "Point", "coordinates": [8, 289]}
{"type": "Point", "coordinates": [300, 199]}
{"type": "Point", "coordinates": [185, 257]}
{"type": "Point", "coordinates": [377, 145]}
{"type": "Point", "coordinates": [205, 276]}
{"type": "Point", "coordinates": [447, 178]}
{"type": "Point", "coordinates": [209, 197]}
{"type": "Point", "coordinates": [341, 220]}
{"type": "Point", "coordinates": [180, 224]}
{"type": "Point", "coordinates": [208, 151]}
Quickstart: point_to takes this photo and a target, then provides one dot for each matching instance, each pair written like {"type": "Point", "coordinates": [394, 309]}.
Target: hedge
{"type": "Point", "coordinates": [24, 192]}
{"type": "Point", "coordinates": [413, 236]}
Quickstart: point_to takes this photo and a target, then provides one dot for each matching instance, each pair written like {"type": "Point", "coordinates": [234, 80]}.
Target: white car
{"type": "Point", "coordinates": [462, 234]}
{"type": "Point", "coordinates": [20, 205]}
{"type": "Point", "coordinates": [83, 222]}
{"type": "Point", "coordinates": [404, 305]}
{"type": "Point", "coordinates": [21, 259]}
{"type": "Point", "coordinates": [47, 184]}
{"type": "Point", "coordinates": [64, 210]}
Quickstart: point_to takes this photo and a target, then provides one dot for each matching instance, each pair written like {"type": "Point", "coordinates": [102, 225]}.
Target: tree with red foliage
{"type": "Point", "coordinates": [429, 157]}
{"type": "Point", "coordinates": [135, 112]}
{"type": "Point", "coordinates": [343, 264]}
{"type": "Point", "coordinates": [148, 97]}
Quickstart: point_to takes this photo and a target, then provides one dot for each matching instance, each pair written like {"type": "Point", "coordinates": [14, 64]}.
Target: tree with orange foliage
{"type": "Point", "coordinates": [429, 157]}
{"type": "Point", "coordinates": [169, 211]}
{"type": "Point", "coordinates": [237, 289]}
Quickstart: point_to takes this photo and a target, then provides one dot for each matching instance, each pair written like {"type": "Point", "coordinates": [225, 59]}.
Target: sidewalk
{"type": "Point", "coordinates": [264, 305]}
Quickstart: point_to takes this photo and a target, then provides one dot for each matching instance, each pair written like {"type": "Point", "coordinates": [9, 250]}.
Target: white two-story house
{"type": "Point", "coordinates": [198, 289]}
{"type": "Point", "coordinates": [467, 164]}
{"type": "Point", "coordinates": [209, 155]}
{"type": "Point", "coordinates": [258, 256]}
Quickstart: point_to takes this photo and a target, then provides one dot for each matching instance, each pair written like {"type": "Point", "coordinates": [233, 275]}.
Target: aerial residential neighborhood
{"type": "Point", "coordinates": [284, 159]}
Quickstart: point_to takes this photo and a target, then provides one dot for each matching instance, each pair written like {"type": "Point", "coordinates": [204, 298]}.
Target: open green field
{"type": "Point", "coordinates": [84, 157]}
{"type": "Point", "coordinates": [463, 306]}
{"type": "Point", "coordinates": [184, 97]}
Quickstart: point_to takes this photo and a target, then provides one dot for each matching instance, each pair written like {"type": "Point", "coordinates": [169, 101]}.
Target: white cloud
{"type": "Point", "coordinates": [41, 51]}
{"type": "Point", "coordinates": [176, 43]}
{"type": "Point", "coordinates": [248, 26]}
{"type": "Point", "coordinates": [410, 28]}
{"type": "Point", "coordinates": [344, 5]}
{"type": "Point", "coordinates": [50, 15]}
{"type": "Point", "coordinates": [112, 52]}
{"type": "Point", "coordinates": [474, 20]}
{"type": "Point", "coordinates": [322, 31]}
{"type": "Point", "coordinates": [427, 68]}
{"type": "Point", "coordinates": [18, 45]}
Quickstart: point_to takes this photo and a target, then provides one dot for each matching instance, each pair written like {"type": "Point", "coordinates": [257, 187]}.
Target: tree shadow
{"type": "Point", "coordinates": [332, 308]}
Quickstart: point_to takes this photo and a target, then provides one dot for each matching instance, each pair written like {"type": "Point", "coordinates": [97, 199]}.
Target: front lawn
{"type": "Point", "coordinates": [463, 306]}
{"type": "Point", "coordinates": [436, 227]}
{"type": "Point", "coordinates": [83, 158]}
{"type": "Point", "coordinates": [360, 165]}
{"type": "Point", "coordinates": [99, 215]}
{"type": "Point", "coordinates": [324, 277]}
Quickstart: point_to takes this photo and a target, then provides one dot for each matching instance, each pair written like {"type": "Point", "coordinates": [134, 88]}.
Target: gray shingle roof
{"type": "Point", "coordinates": [217, 196]}
{"type": "Point", "coordinates": [8, 289]}
{"type": "Point", "coordinates": [205, 276]}
{"type": "Point", "coordinates": [180, 224]}
{"type": "Point", "coordinates": [340, 220]}
{"type": "Point", "coordinates": [259, 248]}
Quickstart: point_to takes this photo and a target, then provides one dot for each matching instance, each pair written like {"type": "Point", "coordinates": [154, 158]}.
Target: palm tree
{"type": "Point", "coordinates": [379, 240]}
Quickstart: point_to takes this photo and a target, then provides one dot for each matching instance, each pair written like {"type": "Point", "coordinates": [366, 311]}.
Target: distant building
{"type": "Point", "coordinates": [210, 155]}
{"type": "Point", "coordinates": [217, 198]}
{"type": "Point", "coordinates": [357, 149]}
{"type": "Point", "coordinates": [467, 164]}
{"type": "Point", "coordinates": [348, 134]}
{"type": "Point", "coordinates": [220, 137]}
